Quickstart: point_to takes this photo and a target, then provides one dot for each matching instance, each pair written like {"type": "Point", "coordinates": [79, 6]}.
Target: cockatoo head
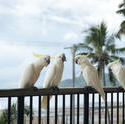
{"type": "Point", "coordinates": [61, 57]}
{"type": "Point", "coordinates": [110, 65]}
{"type": "Point", "coordinates": [80, 59]}
{"type": "Point", "coordinates": [45, 60]}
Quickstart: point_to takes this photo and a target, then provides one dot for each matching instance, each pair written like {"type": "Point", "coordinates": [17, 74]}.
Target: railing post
{"type": "Point", "coordinates": [20, 110]}
{"type": "Point", "coordinates": [86, 108]}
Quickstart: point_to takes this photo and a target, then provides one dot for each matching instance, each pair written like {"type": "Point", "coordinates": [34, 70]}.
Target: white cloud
{"type": "Point", "coordinates": [14, 58]}
{"type": "Point", "coordinates": [71, 36]}
{"type": "Point", "coordinates": [31, 19]}
{"type": "Point", "coordinates": [45, 26]}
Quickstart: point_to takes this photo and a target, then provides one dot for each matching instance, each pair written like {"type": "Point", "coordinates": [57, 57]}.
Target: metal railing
{"type": "Point", "coordinates": [97, 108]}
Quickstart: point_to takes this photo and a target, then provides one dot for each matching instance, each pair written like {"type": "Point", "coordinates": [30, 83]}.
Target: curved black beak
{"type": "Point", "coordinates": [48, 61]}
{"type": "Point", "coordinates": [76, 61]}
{"type": "Point", "coordinates": [64, 58]}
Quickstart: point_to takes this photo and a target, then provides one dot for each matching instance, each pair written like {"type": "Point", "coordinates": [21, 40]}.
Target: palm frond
{"type": "Point", "coordinates": [92, 36]}
{"type": "Point", "coordinates": [123, 24]}
{"type": "Point", "coordinates": [120, 50]}
{"type": "Point", "coordinates": [113, 57]}
{"type": "Point", "coordinates": [84, 46]}
{"type": "Point", "coordinates": [120, 32]}
{"type": "Point", "coordinates": [103, 44]}
{"type": "Point", "coordinates": [121, 11]}
{"type": "Point", "coordinates": [96, 36]}
{"type": "Point", "coordinates": [110, 40]}
{"type": "Point", "coordinates": [110, 48]}
{"type": "Point", "coordinates": [121, 5]}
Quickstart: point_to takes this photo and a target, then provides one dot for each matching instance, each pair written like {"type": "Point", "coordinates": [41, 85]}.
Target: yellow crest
{"type": "Point", "coordinates": [115, 62]}
{"type": "Point", "coordinates": [86, 55]}
{"type": "Point", "coordinates": [53, 57]}
{"type": "Point", "coordinates": [39, 55]}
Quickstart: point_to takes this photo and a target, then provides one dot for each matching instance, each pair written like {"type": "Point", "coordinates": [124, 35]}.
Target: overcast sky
{"type": "Point", "coordinates": [46, 27]}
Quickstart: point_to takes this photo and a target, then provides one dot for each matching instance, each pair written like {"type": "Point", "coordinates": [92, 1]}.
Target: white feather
{"type": "Point", "coordinates": [31, 73]}
{"type": "Point", "coordinates": [53, 76]}
{"type": "Point", "coordinates": [119, 72]}
{"type": "Point", "coordinates": [90, 74]}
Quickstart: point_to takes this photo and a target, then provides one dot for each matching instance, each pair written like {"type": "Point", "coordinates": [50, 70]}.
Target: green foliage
{"type": "Point", "coordinates": [27, 110]}
{"type": "Point", "coordinates": [103, 49]}
{"type": "Point", "coordinates": [4, 115]}
{"type": "Point", "coordinates": [121, 8]}
{"type": "Point", "coordinates": [122, 26]}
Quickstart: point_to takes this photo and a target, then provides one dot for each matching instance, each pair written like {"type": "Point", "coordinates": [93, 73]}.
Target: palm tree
{"type": "Point", "coordinates": [3, 117]}
{"type": "Point", "coordinates": [102, 47]}
{"type": "Point", "coordinates": [122, 12]}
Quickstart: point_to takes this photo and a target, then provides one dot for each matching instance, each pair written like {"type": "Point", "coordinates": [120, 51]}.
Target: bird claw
{"type": "Point", "coordinates": [55, 88]}
{"type": "Point", "coordinates": [34, 88]}
{"type": "Point", "coordinates": [88, 87]}
{"type": "Point", "coordinates": [120, 87]}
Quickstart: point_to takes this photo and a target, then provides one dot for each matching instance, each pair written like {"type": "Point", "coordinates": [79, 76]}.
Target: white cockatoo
{"type": "Point", "coordinates": [89, 73]}
{"type": "Point", "coordinates": [118, 71]}
{"type": "Point", "coordinates": [31, 73]}
{"type": "Point", "coordinates": [53, 75]}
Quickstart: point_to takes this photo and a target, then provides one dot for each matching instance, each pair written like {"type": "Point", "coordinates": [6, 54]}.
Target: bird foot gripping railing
{"type": "Point", "coordinates": [89, 108]}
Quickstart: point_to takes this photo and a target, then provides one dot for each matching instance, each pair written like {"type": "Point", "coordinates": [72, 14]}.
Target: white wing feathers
{"type": "Point", "coordinates": [26, 78]}
{"type": "Point", "coordinates": [120, 74]}
{"type": "Point", "coordinates": [50, 76]}
{"type": "Point", "coordinates": [91, 77]}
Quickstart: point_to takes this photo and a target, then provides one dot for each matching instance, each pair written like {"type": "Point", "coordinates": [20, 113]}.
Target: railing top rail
{"type": "Point", "coordinates": [49, 91]}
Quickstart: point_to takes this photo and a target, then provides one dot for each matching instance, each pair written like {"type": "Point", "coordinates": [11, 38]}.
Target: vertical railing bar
{"type": "Point", "coordinates": [56, 109]}
{"type": "Point", "coordinates": [48, 109]}
{"type": "Point", "coordinates": [63, 109]}
{"type": "Point", "coordinates": [78, 108]}
{"type": "Point", "coordinates": [86, 108]}
{"type": "Point", "coordinates": [9, 109]}
{"type": "Point", "coordinates": [39, 110]}
{"type": "Point", "coordinates": [93, 99]}
{"type": "Point", "coordinates": [20, 109]}
{"type": "Point", "coordinates": [111, 108]}
{"type": "Point", "coordinates": [71, 109]}
{"type": "Point", "coordinates": [123, 112]}
{"type": "Point", "coordinates": [31, 109]}
{"type": "Point", "coordinates": [99, 109]}
{"type": "Point", "coordinates": [117, 107]}
{"type": "Point", "coordinates": [105, 108]}
{"type": "Point", "coordinates": [83, 107]}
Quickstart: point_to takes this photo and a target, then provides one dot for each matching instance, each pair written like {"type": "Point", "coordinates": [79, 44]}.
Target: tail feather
{"type": "Point", "coordinates": [101, 92]}
{"type": "Point", "coordinates": [44, 102]}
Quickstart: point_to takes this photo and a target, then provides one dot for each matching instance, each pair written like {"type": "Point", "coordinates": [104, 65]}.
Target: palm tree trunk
{"type": "Point", "coordinates": [103, 74]}
{"type": "Point", "coordinates": [100, 70]}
